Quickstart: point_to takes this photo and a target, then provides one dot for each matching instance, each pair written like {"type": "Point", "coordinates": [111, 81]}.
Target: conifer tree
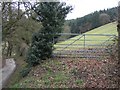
{"type": "Point", "coordinates": [52, 16]}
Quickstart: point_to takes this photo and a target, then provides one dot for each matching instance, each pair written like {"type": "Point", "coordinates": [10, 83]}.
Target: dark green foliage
{"type": "Point", "coordinates": [41, 48]}
{"type": "Point", "coordinates": [25, 71]}
{"type": "Point", "coordinates": [52, 17]}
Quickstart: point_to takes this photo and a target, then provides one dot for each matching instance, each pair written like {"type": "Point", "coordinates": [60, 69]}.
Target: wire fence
{"type": "Point", "coordinates": [90, 46]}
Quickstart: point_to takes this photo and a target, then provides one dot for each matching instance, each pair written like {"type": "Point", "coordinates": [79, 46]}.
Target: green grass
{"type": "Point", "coordinates": [90, 39]}
{"type": "Point", "coordinates": [78, 82]}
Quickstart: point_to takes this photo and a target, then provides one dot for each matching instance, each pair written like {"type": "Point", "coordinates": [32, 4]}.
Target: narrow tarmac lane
{"type": "Point", "coordinates": [6, 71]}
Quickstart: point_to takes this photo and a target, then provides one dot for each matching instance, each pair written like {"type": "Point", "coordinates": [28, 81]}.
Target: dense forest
{"type": "Point", "coordinates": [92, 20]}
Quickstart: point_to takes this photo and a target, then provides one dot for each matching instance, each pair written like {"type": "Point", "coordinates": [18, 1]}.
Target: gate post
{"type": "Point", "coordinates": [118, 29]}
{"type": "Point", "coordinates": [84, 47]}
{"type": "Point", "coordinates": [84, 41]}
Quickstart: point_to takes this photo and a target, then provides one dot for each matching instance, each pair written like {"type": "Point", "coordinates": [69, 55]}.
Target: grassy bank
{"type": "Point", "coordinates": [20, 64]}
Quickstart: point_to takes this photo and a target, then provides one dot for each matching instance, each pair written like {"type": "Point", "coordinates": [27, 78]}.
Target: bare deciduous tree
{"type": "Point", "coordinates": [104, 18]}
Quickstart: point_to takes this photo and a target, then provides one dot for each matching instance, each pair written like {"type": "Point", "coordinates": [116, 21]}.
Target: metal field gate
{"type": "Point", "coordinates": [89, 46]}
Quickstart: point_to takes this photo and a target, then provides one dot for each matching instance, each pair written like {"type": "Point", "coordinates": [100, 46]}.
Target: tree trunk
{"type": "Point", "coordinates": [3, 50]}
{"type": "Point", "coordinates": [9, 49]}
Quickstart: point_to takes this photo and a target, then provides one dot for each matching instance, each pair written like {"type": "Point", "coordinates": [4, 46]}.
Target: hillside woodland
{"type": "Point", "coordinates": [92, 20]}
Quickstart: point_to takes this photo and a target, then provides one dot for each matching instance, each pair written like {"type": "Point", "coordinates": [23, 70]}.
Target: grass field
{"type": "Point", "coordinates": [91, 38]}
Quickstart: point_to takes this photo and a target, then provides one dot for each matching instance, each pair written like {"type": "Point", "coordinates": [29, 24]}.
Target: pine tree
{"type": "Point", "coordinates": [52, 16]}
